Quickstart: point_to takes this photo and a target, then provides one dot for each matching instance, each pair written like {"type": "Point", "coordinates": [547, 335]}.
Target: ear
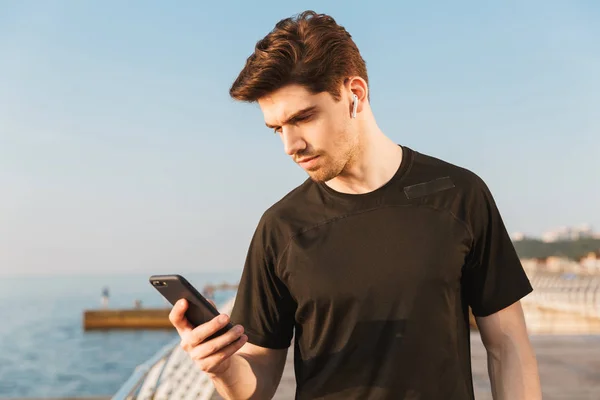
{"type": "Point", "coordinates": [357, 86]}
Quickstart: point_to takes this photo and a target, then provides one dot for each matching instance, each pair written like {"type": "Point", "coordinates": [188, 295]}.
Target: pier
{"type": "Point", "coordinates": [138, 317]}
{"type": "Point", "coordinates": [150, 318]}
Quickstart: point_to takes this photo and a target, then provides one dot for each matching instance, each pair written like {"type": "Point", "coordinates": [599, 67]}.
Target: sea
{"type": "Point", "coordinates": [44, 351]}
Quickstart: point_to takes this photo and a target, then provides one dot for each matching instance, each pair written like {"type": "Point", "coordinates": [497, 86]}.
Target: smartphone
{"type": "Point", "coordinates": [176, 287]}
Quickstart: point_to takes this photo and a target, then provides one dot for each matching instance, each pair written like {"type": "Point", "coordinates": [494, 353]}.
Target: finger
{"type": "Point", "coordinates": [220, 342]}
{"type": "Point", "coordinates": [178, 319]}
{"type": "Point", "coordinates": [200, 333]}
{"type": "Point", "coordinates": [211, 363]}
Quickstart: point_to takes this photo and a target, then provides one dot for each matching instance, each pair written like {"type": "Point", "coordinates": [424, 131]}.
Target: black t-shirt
{"type": "Point", "coordinates": [375, 287]}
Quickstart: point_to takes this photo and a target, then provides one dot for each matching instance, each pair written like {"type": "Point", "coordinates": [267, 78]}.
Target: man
{"type": "Point", "coordinates": [372, 263]}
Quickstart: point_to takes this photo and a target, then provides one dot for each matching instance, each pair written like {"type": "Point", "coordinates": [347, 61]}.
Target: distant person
{"type": "Point", "coordinates": [372, 263]}
{"type": "Point", "coordinates": [105, 296]}
{"type": "Point", "coordinates": [137, 304]}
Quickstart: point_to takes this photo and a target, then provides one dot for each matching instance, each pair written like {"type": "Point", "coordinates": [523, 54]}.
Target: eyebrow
{"type": "Point", "coordinates": [297, 114]}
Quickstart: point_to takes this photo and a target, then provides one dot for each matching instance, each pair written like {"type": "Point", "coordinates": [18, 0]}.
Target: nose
{"type": "Point", "coordinates": [292, 141]}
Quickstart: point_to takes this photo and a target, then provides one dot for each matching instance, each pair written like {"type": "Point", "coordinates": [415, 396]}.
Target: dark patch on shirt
{"type": "Point", "coordinates": [426, 188]}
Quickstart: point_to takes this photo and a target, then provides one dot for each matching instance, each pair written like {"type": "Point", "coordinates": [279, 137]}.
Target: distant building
{"type": "Point", "coordinates": [591, 261]}
{"type": "Point", "coordinates": [554, 264]}
{"type": "Point", "coordinates": [557, 263]}
{"type": "Point", "coordinates": [569, 233]}
{"type": "Point", "coordinates": [518, 236]}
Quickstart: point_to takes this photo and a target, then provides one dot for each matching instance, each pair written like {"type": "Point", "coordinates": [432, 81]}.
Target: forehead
{"type": "Point", "coordinates": [284, 102]}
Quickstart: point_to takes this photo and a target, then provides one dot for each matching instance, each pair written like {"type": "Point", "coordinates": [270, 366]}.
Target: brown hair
{"type": "Point", "coordinates": [311, 50]}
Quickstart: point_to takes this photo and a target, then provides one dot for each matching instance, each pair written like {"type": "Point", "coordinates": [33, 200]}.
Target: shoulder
{"type": "Point", "coordinates": [293, 212]}
{"type": "Point", "coordinates": [464, 182]}
{"type": "Point", "coordinates": [442, 185]}
{"type": "Point", "coordinates": [292, 204]}
{"type": "Point", "coordinates": [455, 189]}
{"type": "Point", "coordinates": [428, 166]}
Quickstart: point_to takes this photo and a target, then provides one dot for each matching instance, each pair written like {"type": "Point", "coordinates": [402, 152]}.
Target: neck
{"type": "Point", "coordinates": [372, 166]}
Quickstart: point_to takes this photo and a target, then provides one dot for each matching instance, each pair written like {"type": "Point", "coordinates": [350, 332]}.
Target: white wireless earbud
{"type": "Point", "coordinates": [354, 105]}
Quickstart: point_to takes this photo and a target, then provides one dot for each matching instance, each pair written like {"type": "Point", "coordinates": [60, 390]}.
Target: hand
{"type": "Point", "coordinates": [211, 356]}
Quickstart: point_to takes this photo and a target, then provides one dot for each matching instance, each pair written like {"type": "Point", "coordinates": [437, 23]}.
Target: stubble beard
{"type": "Point", "coordinates": [331, 167]}
{"type": "Point", "coordinates": [329, 170]}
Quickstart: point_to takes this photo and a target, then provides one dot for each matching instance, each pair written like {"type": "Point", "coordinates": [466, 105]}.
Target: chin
{"type": "Point", "coordinates": [321, 176]}
{"type": "Point", "coordinates": [316, 178]}
{"type": "Point", "coordinates": [326, 170]}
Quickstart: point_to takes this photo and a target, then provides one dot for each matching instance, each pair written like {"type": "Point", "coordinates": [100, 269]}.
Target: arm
{"type": "Point", "coordinates": [512, 365]}
{"type": "Point", "coordinates": [254, 372]}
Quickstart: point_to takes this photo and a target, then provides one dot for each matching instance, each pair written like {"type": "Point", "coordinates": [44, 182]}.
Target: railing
{"type": "Point", "coordinates": [169, 374]}
{"type": "Point", "coordinates": [575, 294]}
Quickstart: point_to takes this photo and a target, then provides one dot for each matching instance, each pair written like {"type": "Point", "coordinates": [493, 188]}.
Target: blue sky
{"type": "Point", "coordinates": [120, 150]}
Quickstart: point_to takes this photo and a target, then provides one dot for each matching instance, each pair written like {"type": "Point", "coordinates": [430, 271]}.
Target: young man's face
{"type": "Point", "coordinates": [317, 132]}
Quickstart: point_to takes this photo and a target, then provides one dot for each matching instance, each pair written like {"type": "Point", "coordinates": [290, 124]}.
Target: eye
{"type": "Point", "coordinates": [302, 118]}
{"type": "Point", "coordinates": [294, 121]}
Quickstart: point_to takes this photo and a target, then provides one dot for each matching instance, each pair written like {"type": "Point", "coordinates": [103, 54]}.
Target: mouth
{"type": "Point", "coordinates": [306, 160]}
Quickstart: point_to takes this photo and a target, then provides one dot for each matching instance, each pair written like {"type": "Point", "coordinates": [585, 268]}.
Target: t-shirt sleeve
{"type": "Point", "coordinates": [263, 304]}
{"type": "Point", "coordinates": [494, 277]}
